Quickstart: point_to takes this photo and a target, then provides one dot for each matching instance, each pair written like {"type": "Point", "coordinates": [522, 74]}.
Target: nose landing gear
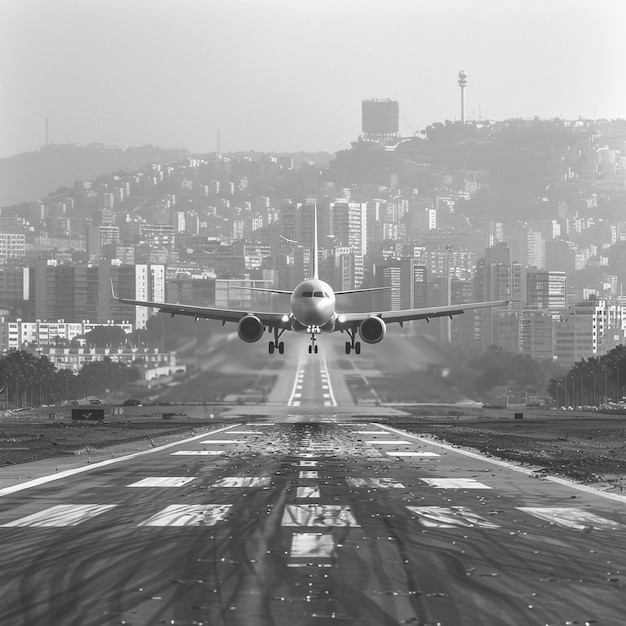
{"type": "Point", "coordinates": [313, 330]}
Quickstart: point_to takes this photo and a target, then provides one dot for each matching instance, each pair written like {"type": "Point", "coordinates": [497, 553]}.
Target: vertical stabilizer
{"type": "Point", "coordinates": [315, 252]}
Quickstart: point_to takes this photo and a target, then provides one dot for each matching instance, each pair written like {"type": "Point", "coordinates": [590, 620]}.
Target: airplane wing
{"type": "Point", "coordinates": [273, 320]}
{"type": "Point", "coordinates": [350, 320]}
{"type": "Point", "coordinates": [347, 291]}
{"type": "Point", "coordinates": [265, 289]}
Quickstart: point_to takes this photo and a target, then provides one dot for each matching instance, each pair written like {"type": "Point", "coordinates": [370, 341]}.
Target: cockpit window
{"type": "Point", "coordinates": [318, 294]}
{"type": "Point", "coordinates": [307, 294]}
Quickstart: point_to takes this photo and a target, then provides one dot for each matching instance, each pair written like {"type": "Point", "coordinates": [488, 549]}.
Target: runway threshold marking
{"type": "Point", "coordinates": [197, 453]}
{"type": "Point", "coordinates": [418, 454]}
{"type": "Point", "coordinates": [516, 468]}
{"type": "Point", "coordinates": [163, 481]}
{"type": "Point", "coordinates": [375, 483]}
{"type": "Point", "coordinates": [189, 515]}
{"type": "Point", "coordinates": [243, 481]}
{"type": "Point", "coordinates": [61, 515]}
{"type": "Point", "coordinates": [450, 517]}
{"type": "Point", "coordinates": [571, 518]}
{"type": "Point", "coordinates": [454, 483]}
{"type": "Point", "coordinates": [87, 468]}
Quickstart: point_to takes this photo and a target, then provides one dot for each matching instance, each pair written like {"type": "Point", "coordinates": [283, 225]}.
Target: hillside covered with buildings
{"type": "Point", "coordinates": [527, 210]}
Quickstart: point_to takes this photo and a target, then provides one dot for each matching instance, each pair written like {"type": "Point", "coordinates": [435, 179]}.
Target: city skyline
{"type": "Point", "coordinates": [293, 78]}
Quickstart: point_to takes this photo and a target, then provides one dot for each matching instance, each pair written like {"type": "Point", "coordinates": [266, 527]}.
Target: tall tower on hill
{"type": "Point", "coordinates": [462, 85]}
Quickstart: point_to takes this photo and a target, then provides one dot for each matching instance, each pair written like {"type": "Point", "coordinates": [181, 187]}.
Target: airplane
{"type": "Point", "coordinates": [313, 311]}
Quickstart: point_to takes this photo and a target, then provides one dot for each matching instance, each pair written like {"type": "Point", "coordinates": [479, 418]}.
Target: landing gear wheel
{"type": "Point", "coordinates": [281, 347]}
{"type": "Point", "coordinates": [357, 347]}
{"type": "Point", "coordinates": [315, 349]}
{"type": "Point", "coordinates": [348, 347]}
{"type": "Point", "coordinates": [310, 349]}
{"type": "Point", "coordinates": [271, 347]}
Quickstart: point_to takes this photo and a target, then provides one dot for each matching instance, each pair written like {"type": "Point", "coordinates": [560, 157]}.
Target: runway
{"type": "Point", "coordinates": [309, 518]}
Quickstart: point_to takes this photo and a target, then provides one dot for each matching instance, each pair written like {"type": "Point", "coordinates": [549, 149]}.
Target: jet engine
{"type": "Point", "coordinates": [372, 329]}
{"type": "Point", "coordinates": [250, 328]}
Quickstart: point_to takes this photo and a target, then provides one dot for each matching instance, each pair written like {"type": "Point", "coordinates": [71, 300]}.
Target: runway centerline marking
{"type": "Point", "coordinates": [325, 515]}
{"type": "Point", "coordinates": [307, 492]}
{"type": "Point", "coordinates": [87, 468]}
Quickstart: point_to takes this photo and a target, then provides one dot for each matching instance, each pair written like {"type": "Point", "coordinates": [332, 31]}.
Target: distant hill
{"type": "Point", "coordinates": [31, 175]}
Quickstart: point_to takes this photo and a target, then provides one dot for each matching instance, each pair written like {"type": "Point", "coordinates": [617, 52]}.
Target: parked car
{"type": "Point", "coordinates": [95, 401]}
{"type": "Point", "coordinates": [131, 402]}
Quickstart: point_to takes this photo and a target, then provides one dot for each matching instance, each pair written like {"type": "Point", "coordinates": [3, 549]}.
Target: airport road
{"type": "Point", "coordinates": [315, 519]}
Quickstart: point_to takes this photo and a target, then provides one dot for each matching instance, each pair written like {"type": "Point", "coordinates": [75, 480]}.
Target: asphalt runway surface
{"type": "Point", "coordinates": [310, 518]}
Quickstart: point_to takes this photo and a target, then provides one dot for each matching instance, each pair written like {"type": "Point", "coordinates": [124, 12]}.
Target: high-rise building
{"type": "Point", "coordinates": [546, 289]}
{"type": "Point", "coordinates": [12, 246]}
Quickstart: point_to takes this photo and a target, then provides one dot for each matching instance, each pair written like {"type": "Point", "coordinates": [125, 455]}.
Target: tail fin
{"type": "Point", "coordinates": [315, 251]}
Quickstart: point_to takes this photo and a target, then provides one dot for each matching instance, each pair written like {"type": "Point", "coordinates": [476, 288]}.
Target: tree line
{"type": "Point", "coordinates": [592, 382]}
{"type": "Point", "coordinates": [28, 380]}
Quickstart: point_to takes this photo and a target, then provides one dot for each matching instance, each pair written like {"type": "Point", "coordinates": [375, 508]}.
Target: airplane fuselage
{"type": "Point", "coordinates": [313, 305]}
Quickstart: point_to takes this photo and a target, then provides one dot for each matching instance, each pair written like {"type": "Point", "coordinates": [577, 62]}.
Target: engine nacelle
{"type": "Point", "coordinates": [250, 328]}
{"type": "Point", "coordinates": [372, 330]}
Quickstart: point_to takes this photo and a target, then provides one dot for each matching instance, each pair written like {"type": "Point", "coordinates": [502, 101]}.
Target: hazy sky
{"type": "Point", "coordinates": [289, 75]}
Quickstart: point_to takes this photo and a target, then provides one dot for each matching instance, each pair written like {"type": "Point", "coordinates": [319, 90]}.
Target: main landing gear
{"type": "Point", "coordinates": [277, 345]}
{"type": "Point", "coordinates": [353, 345]}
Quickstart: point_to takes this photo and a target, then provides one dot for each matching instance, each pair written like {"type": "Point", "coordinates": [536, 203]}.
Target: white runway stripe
{"type": "Point", "coordinates": [62, 515]}
{"type": "Point", "coordinates": [162, 481]}
{"type": "Point", "coordinates": [390, 442]}
{"type": "Point", "coordinates": [246, 432]}
{"type": "Point", "coordinates": [189, 515]}
{"type": "Point", "coordinates": [197, 453]}
{"type": "Point", "coordinates": [311, 546]}
{"type": "Point", "coordinates": [307, 463]}
{"type": "Point", "coordinates": [325, 515]}
{"type": "Point", "coordinates": [571, 518]}
{"type": "Point", "coordinates": [422, 454]}
{"type": "Point", "coordinates": [377, 483]}
{"type": "Point", "coordinates": [212, 441]}
{"type": "Point", "coordinates": [308, 474]}
{"type": "Point", "coordinates": [371, 432]}
{"type": "Point", "coordinates": [454, 483]}
{"type": "Point", "coordinates": [243, 481]}
{"type": "Point", "coordinates": [308, 492]}
{"type": "Point", "coordinates": [450, 517]}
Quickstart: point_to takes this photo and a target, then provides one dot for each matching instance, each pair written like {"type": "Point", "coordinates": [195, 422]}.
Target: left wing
{"type": "Point", "coordinates": [273, 320]}
{"type": "Point", "coordinates": [350, 320]}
